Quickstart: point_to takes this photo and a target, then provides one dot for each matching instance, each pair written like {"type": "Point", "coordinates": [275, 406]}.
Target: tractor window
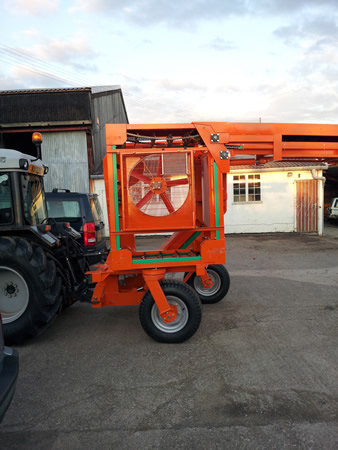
{"type": "Point", "coordinates": [6, 204]}
{"type": "Point", "coordinates": [33, 199]}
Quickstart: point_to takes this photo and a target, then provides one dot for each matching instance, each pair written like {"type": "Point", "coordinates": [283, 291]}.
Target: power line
{"type": "Point", "coordinates": [36, 71]}
{"type": "Point", "coordinates": [141, 102]}
{"type": "Point", "coordinates": [27, 57]}
{"type": "Point", "coordinates": [24, 60]}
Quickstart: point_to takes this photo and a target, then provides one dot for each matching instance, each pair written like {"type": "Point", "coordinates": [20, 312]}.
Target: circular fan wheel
{"type": "Point", "coordinates": [154, 192]}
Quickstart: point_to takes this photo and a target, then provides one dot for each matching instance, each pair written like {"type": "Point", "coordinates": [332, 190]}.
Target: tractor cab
{"type": "Point", "coordinates": [41, 263]}
{"type": "Point", "coordinates": [21, 182]}
{"type": "Point", "coordinates": [22, 197]}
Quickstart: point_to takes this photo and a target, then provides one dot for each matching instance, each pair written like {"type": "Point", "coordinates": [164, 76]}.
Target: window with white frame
{"type": "Point", "coordinates": [247, 188]}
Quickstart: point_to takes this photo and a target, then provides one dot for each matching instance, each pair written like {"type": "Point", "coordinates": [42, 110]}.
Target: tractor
{"type": "Point", "coordinates": [42, 267]}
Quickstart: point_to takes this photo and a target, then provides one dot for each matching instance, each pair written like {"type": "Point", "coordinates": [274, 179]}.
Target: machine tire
{"type": "Point", "coordinates": [220, 276]}
{"type": "Point", "coordinates": [189, 309]}
{"type": "Point", "coordinates": [30, 274]}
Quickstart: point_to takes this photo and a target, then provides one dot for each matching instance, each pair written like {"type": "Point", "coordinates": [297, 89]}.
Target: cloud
{"type": "Point", "coordinates": [287, 6]}
{"type": "Point", "coordinates": [67, 63]}
{"type": "Point", "coordinates": [316, 28]}
{"type": "Point", "coordinates": [32, 33]}
{"type": "Point", "coordinates": [177, 85]}
{"type": "Point", "coordinates": [291, 97]}
{"type": "Point", "coordinates": [32, 7]}
{"type": "Point", "coordinates": [303, 104]}
{"type": "Point", "coordinates": [9, 83]}
{"type": "Point", "coordinates": [221, 45]}
{"type": "Point", "coordinates": [184, 12]}
{"type": "Point", "coordinates": [314, 38]}
{"type": "Point", "coordinates": [161, 11]}
{"type": "Point", "coordinates": [21, 78]}
{"type": "Point", "coordinates": [67, 52]}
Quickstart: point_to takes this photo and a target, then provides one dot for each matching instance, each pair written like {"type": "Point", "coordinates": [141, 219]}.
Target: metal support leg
{"type": "Point", "coordinates": [203, 274]}
{"type": "Point", "coordinates": [152, 278]}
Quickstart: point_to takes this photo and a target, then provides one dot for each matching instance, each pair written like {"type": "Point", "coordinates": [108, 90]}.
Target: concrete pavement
{"type": "Point", "coordinates": [261, 371]}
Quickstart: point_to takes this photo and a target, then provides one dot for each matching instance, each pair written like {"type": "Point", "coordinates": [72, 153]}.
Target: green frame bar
{"type": "Point", "coordinates": [116, 201]}
{"type": "Point", "coordinates": [190, 240]}
{"type": "Point", "coordinates": [165, 260]}
{"type": "Point", "coordinates": [216, 200]}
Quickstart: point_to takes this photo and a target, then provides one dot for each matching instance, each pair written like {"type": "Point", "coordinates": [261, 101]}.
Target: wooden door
{"type": "Point", "coordinates": [307, 205]}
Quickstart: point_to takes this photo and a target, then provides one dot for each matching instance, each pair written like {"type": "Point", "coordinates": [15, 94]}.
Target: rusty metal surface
{"type": "Point", "coordinates": [307, 205]}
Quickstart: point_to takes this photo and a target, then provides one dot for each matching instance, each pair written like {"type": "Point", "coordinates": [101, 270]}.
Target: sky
{"type": "Point", "coordinates": [179, 60]}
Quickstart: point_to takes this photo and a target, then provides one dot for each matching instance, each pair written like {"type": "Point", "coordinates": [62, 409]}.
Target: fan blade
{"type": "Point", "coordinates": [145, 199]}
{"type": "Point", "coordinates": [159, 167]}
{"type": "Point", "coordinates": [167, 202]}
{"type": "Point", "coordinates": [179, 182]}
{"type": "Point", "coordinates": [140, 177]}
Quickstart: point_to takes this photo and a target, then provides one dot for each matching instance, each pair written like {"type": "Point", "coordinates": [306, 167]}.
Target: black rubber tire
{"type": "Point", "coordinates": [43, 283]}
{"type": "Point", "coordinates": [223, 279]}
{"type": "Point", "coordinates": [190, 309]}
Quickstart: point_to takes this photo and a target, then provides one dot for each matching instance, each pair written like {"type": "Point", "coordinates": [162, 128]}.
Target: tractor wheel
{"type": "Point", "coordinates": [221, 284]}
{"type": "Point", "coordinates": [188, 313]}
{"type": "Point", "coordinates": [30, 289]}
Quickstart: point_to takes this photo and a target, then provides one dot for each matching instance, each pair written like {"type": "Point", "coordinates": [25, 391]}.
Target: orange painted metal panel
{"type": "Point", "coordinates": [147, 194]}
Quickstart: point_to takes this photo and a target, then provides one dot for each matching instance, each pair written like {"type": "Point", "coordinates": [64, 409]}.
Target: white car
{"type": "Point", "coordinates": [333, 209]}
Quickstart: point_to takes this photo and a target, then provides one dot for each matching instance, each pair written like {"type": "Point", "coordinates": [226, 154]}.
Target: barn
{"type": "Point", "coordinates": [72, 122]}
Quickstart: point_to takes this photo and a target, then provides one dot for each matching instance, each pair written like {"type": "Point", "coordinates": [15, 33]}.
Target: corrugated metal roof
{"type": "Point", "coordinates": [100, 89]}
{"type": "Point", "coordinates": [93, 90]}
{"type": "Point", "coordinates": [31, 107]}
{"type": "Point", "coordinates": [280, 165]}
{"type": "Point", "coordinates": [45, 106]}
{"type": "Point", "coordinates": [43, 91]}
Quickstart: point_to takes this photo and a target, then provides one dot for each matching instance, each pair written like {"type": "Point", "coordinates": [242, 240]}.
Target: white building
{"type": "Point", "coordinates": [276, 197]}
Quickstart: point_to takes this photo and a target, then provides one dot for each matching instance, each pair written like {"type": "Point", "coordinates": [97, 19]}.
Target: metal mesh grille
{"type": "Point", "coordinates": [158, 184]}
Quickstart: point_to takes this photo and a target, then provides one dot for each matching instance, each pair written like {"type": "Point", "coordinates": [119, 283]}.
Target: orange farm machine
{"type": "Point", "coordinates": [170, 179]}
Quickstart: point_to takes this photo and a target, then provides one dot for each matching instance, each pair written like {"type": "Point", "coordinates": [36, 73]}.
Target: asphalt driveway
{"type": "Point", "coordinates": [261, 371]}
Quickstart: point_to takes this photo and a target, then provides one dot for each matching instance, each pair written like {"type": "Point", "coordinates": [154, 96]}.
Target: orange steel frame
{"type": "Point", "coordinates": [197, 228]}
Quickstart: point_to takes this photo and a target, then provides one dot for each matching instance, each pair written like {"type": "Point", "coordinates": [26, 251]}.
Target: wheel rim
{"type": "Point", "coordinates": [14, 294]}
{"type": "Point", "coordinates": [180, 321]}
{"type": "Point", "coordinates": [207, 292]}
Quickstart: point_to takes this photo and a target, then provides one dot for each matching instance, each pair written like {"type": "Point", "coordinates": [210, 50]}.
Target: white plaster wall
{"type": "Point", "coordinates": [276, 212]}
